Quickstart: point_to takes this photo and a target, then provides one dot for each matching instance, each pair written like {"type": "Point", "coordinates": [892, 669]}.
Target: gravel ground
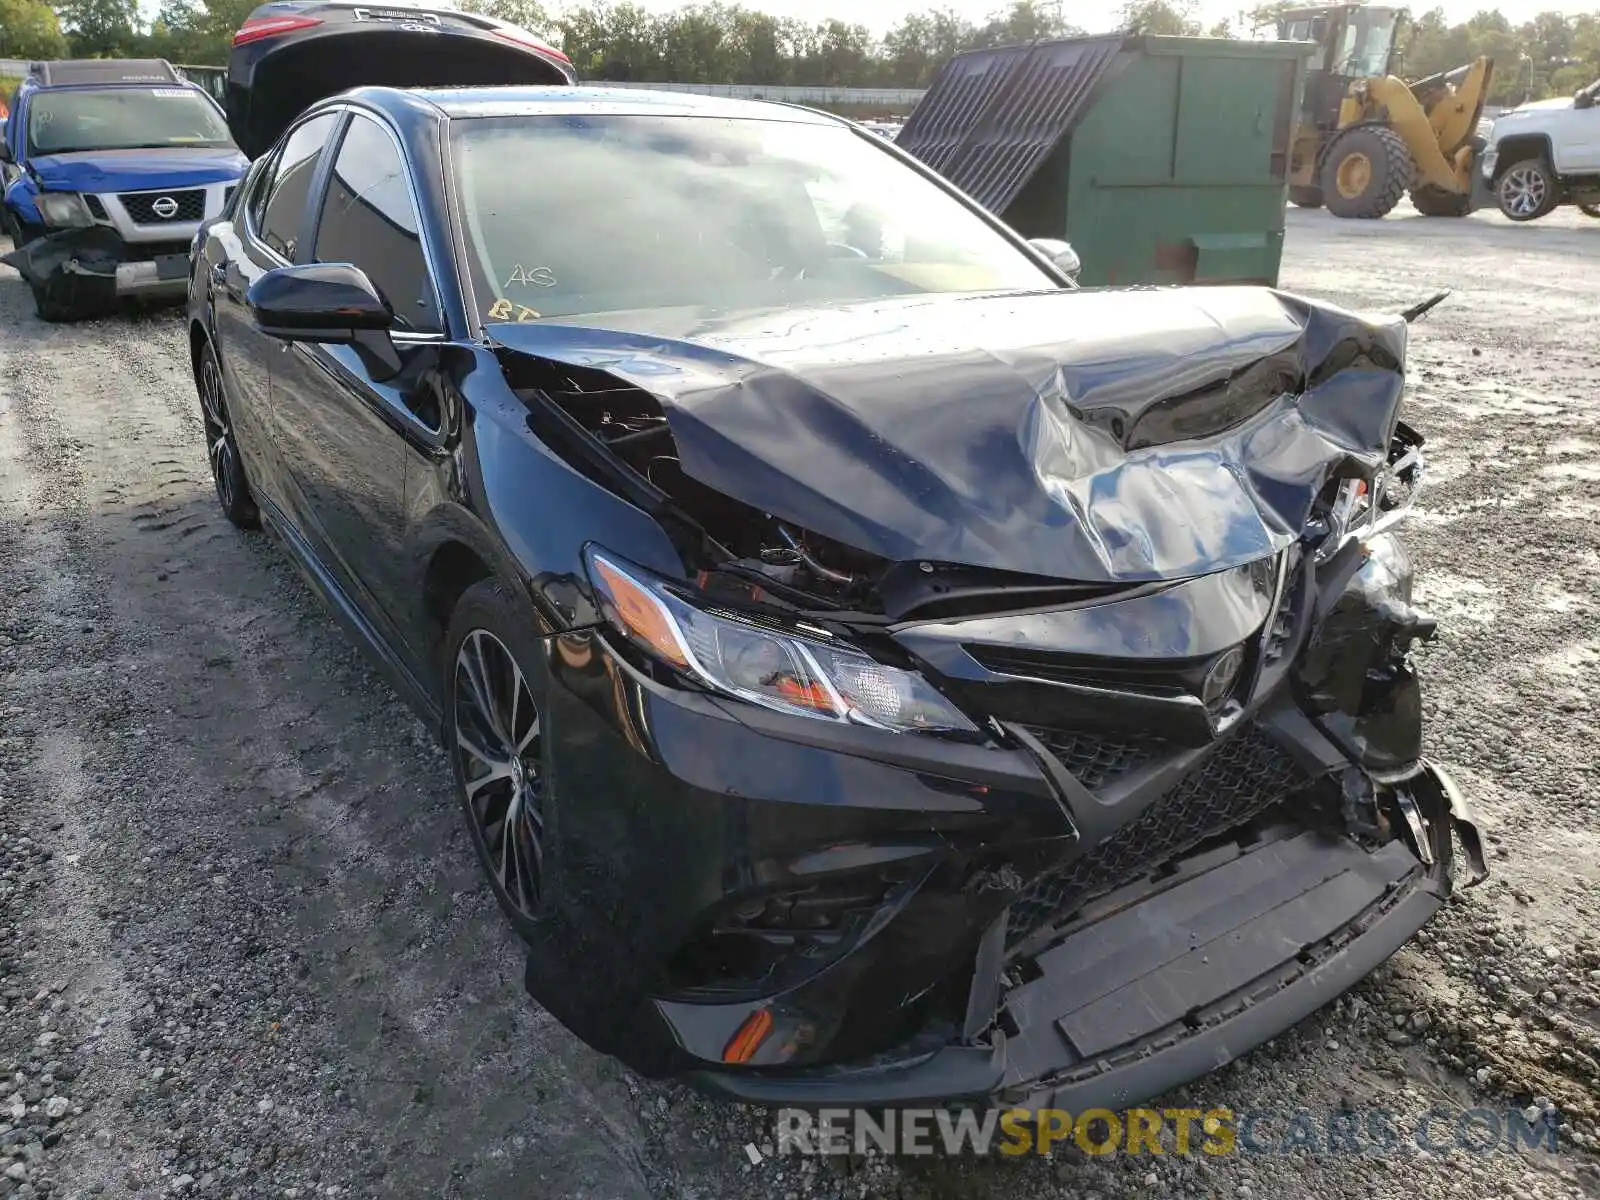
{"type": "Point", "coordinates": [244, 949]}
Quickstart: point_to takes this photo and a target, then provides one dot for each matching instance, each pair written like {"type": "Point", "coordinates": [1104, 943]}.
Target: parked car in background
{"type": "Point", "coordinates": [110, 166]}
{"type": "Point", "coordinates": [884, 129]}
{"type": "Point", "coordinates": [1545, 154]}
{"type": "Point", "coordinates": [289, 53]}
{"type": "Point", "coordinates": [874, 669]}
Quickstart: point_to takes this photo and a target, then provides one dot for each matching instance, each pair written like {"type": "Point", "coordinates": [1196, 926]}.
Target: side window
{"type": "Point", "coordinates": [283, 204]}
{"type": "Point", "coordinates": [260, 183]}
{"type": "Point", "coordinates": [368, 219]}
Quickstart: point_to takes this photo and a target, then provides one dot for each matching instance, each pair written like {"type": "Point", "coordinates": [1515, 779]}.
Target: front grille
{"type": "Point", "coordinates": [1157, 677]}
{"type": "Point", "coordinates": [1240, 779]}
{"type": "Point", "coordinates": [141, 206]}
{"type": "Point", "coordinates": [1096, 759]}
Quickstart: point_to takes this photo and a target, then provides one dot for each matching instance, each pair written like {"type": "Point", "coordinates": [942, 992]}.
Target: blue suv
{"type": "Point", "coordinates": [110, 166]}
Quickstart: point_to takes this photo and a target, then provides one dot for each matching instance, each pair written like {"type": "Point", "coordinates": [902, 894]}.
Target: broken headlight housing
{"type": "Point", "coordinates": [1363, 510]}
{"type": "Point", "coordinates": [803, 671]}
{"type": "Point", "coordinates": [64, 210]}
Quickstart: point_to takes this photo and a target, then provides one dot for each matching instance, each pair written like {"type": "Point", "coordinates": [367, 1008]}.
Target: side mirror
{"type": "Point", "coordinates": [1060, 253]}
{"type": "Point", "coordinates": [327, 302]}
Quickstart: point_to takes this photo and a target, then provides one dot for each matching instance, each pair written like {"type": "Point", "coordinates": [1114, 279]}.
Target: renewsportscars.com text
{"type": "Point", "coordinates": [1164, 1131]}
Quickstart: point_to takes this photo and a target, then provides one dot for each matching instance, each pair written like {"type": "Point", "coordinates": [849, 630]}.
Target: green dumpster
{"type": "Point", "coordinates": [1161, 159]}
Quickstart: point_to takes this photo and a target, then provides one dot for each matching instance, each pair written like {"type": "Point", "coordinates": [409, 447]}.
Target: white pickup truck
{"type": "Point", "coordinates": [1546, 153]}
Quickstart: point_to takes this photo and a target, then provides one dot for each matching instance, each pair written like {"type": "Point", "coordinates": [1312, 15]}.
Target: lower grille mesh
{"type": "Point", "coordinates": [1095, 760]}
{"type": "Point", "coordinates": [1242, 777]}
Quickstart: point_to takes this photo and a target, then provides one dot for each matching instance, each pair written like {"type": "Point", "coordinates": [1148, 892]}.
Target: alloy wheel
{"type": "Point", "coordinates": [1523, 191]}
{"type": "Point", "coordinates": [498, 752]}
{"type": "Point", "coordinates": [219, 436]}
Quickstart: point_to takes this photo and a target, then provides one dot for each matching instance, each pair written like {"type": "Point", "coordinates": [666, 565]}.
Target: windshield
{"type": "Point", "coordinates": [1367, 41]}
{"type": "Point", "coordinates": [589, 214]}
{"type": "Point", "coordinates": [123, 119]}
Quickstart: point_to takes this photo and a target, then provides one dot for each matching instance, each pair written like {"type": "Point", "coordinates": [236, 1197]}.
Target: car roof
{"type": "Point", "coordinates": [544, 100]}
{"type": "Point", "coordinates": [102, 71]}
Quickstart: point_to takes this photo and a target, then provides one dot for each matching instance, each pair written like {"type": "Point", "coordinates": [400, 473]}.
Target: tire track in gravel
{"type": "Point", "coordinates": [51, 791]}
{"type": "Point", "coordinates": [283, 766]}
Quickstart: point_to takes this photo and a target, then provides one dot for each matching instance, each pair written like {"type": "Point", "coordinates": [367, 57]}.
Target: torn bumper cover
{"type": "Point", "coordinates": [89, 270]}
{"type": "Point", "coordinates": [1169, 979]}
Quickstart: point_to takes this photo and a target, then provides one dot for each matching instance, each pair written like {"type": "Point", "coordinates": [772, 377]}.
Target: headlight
{"type": "Point", "coordinates": [64, 210]}
{"type": "Point", "coordinates": [805, 673]}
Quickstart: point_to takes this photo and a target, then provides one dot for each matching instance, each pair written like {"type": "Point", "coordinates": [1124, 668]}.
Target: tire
{"type": "Point", "coordinates": [1306, 197]}
{"type": "Point", "coordinates": [1590, 210]}
{"type": "Point", "coordinates": [1366, 171]}
{"type": "Point", "coordinates": [1527, 190]}
{"type": "Point", "coordinates": [496, 748]}
{"type": "Point", "coordinates": [222, 448]}
{"type": "Point", "coordinates": [48, 309]}
{"type": "Point", "coordinates": [20, 231]}
{"type": "Point", "coordinates": [1436, 202]}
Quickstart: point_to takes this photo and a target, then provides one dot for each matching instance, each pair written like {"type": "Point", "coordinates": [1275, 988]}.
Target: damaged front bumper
{"type": "Point", "coordinates": [1116, 920]}
{"type": "Point", "coordinates": [1168, 979]}
{"type": "Point", "coordinates": [89, 270]}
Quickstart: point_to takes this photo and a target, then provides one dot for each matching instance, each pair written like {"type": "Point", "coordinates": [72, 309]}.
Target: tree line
{"type": "Point", "coordinates": [1552, 54]}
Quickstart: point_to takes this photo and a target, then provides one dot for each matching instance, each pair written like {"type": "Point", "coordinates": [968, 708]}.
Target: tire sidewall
{"type": "Point", "coordinates": [490, 605]}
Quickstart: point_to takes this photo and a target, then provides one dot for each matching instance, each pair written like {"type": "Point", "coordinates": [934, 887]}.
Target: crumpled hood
{"type": "Point", "coordinates": [1099, 436]}
{"type": "Point", "coordinates": [137, 170]}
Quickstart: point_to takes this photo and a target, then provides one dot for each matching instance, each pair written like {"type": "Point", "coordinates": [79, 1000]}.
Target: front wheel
{"type": "Point", "coordinates": [1527, 190]}
{"type": "Point", "coordinates": [1590, 210]}
{"type": "Point", "coordinates": [1367, 170]}
{"type": "Point", "coordinates": [222, 447]}
{"type": "Point", "coordinates": [48, 308]}
{"type": "Point", "coordinates": [493, 675]}
{"type": "Point", "coordinates": [22, 232]}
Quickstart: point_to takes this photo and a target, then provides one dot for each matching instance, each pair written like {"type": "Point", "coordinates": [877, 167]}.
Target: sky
{"type": "Point", "coordinates": [1095, 16]}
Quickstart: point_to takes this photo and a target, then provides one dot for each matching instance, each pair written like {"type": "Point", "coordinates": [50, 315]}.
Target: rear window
{"type": "Point", "coordinates": [60, 122]}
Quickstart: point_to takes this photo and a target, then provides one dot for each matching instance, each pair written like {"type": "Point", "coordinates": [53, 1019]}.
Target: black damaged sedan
{"type": "Point", "coordinates": [876, 671]}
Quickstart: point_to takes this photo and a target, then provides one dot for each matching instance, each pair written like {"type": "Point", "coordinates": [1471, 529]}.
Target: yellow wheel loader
{"type": "Point", "coordinates": [1364, 137]}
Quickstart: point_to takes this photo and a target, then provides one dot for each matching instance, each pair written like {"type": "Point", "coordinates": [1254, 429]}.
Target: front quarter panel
{"type": "Point", "coordinates": [497, 489]}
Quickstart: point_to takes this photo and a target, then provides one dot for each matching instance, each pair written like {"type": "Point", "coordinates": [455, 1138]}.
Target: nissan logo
{"type": "Point", "coordinates": [164, 207]}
